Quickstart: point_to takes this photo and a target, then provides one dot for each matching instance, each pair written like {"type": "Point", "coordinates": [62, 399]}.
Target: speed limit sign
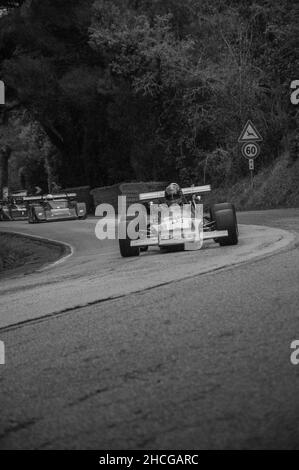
{"type": "Point", "coordinates": [251, 150]}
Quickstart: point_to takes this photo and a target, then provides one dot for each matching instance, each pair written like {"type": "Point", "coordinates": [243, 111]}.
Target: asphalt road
{"type": "Point", "coordinates": [96, 272]}
{"type": "Point", "coordinates": [195, 363]}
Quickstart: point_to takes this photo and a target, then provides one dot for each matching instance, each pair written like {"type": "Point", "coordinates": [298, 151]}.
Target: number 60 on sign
{"type": "Point", "coordinates": [251, 150]}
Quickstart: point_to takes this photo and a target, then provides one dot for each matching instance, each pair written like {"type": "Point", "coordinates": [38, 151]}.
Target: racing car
{"type": "Point", "coordinates": [51, 207]}
{"type": "Point", "coordinates": [13, 208]}
{"type": "Point", "coordinates": [219, 223]}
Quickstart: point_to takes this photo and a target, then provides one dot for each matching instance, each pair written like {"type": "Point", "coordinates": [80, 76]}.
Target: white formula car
{"type": "Point", "coordinates": [179, 228]}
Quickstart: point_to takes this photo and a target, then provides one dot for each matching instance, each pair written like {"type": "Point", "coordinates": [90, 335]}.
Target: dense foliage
{"type": "Point", "coordinates": [120, 90]}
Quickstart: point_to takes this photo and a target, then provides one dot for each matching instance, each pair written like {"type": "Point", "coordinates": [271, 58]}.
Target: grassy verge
{"type": "Point", "coordinates": [24, 254]}
{"type": "Point", "coordinates": [274, 187]}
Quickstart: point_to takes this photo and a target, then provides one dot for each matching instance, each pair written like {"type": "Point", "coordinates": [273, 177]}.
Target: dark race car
{"type": "Point", "coordinates": [50, 208]}
{"type": "Point", "coordinates": [13, 208]}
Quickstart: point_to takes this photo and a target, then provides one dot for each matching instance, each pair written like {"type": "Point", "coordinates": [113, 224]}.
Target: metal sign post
{"type": "Point", "coordinates": [2, 92]}
{"type": "Point", "coordinates": [251, 169]}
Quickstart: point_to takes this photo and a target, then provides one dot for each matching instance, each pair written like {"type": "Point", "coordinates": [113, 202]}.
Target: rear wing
{"type": "Point", "coordinates": [185, 191]}
{"type": "Point", "coordinates": [32, 198]}
{"type": "Point", "coordinates": [18, 194]}
{"type": "Point", "coordinates": [50, 197]}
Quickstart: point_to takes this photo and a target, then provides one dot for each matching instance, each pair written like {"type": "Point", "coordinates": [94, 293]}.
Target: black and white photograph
{"type": "Point", "coordinates": [149, 230]}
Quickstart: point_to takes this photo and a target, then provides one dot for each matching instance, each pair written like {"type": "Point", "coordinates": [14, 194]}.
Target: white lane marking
{"type": "Point", "coordinates": [60, 260]}
{"type": "Point", "coordinates": [108, 253]}
{"type": "Point", "coordinates": [2, 353]}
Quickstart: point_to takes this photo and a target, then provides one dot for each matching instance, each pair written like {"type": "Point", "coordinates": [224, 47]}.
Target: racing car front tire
{"type": "Point", "coordinates": [220, 207]}
{"type": "Point", "coordinates": [126, 250]}
{"type": "Point", "coordinates": [225, 219]}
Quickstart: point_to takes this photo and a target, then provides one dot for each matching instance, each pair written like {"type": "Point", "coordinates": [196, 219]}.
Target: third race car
{"type": "Point", "coordinates": [13, 207]}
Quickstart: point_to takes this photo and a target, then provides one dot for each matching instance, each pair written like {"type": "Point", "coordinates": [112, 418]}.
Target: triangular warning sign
{"type": "Point", "coordinates": [250, 133]}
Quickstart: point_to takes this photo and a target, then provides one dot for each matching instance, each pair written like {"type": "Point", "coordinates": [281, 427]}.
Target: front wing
{"type": "Point", "coordinates": [190, 242]}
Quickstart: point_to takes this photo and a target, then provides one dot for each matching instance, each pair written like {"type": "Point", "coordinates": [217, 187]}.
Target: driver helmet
{"type": "Point", "coordinates": [173, 194]}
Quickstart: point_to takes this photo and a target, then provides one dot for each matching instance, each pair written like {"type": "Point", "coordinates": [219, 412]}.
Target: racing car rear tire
{"type": "Point", "coordinates": [126, 250]}
{"type": "Point", "coordinates": [226, 219]}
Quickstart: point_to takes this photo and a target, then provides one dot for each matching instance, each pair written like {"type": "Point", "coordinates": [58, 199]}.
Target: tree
{"type": "Point", "coordinates": [152, 89]}
{"type": "Point", "coordinates": [149, 69]}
